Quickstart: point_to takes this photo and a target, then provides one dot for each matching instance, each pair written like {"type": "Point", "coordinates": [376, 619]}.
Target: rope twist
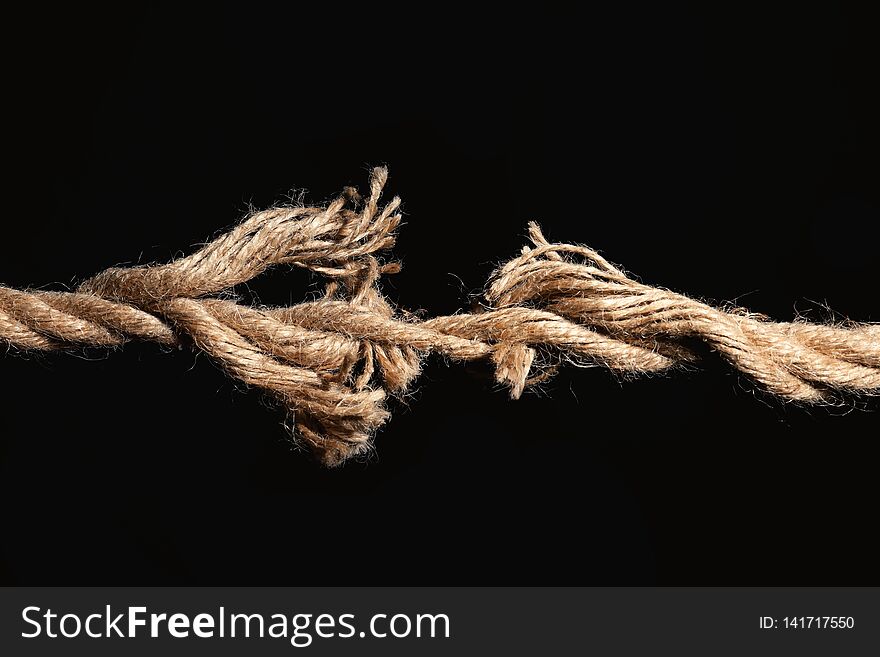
{"type": "Point", "coordinates": [332, 361]}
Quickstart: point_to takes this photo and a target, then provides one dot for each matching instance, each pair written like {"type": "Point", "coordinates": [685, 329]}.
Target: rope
{"type": "Point", "coordinates": [332, 362]}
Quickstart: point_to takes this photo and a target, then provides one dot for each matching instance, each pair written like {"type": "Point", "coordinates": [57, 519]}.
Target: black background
{"type": "Point", "coordinates": [732, 155]}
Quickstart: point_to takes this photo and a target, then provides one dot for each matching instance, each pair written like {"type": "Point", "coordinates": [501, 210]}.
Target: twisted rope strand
{"type": "Point", "coordinates": [332, 361]}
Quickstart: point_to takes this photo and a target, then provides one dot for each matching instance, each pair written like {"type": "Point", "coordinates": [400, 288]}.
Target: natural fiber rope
{"type": "Point", "coordinates": [332, 361]}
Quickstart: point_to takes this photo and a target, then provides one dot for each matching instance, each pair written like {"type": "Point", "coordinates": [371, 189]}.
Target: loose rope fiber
{"type": "Point", "coordinates": [332, 362]}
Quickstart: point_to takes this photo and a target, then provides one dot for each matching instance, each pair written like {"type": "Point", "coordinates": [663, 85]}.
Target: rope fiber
{"type": "Point", "coordinates": [333, 361]}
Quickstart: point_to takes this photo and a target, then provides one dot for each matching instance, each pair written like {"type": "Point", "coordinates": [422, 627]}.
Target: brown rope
{"type": "Point", "coordinates": [332, 361]}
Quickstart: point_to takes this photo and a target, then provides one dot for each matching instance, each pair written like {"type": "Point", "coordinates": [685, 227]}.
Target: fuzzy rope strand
{"type": "Point", "coordinates": [331, 362]}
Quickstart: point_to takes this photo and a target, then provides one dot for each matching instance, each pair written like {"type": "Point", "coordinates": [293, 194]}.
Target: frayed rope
{"type": "Point", "coordinates": [332, 361]}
